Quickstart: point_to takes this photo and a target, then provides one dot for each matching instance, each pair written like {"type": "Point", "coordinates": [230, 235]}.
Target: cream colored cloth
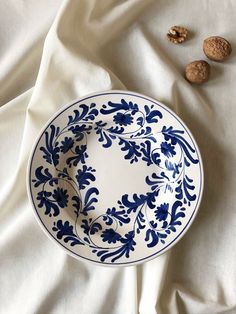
{"type": "Point", "coordinates": [101, 45]}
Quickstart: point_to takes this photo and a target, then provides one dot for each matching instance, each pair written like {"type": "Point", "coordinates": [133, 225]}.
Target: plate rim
{"type": "Point", "coordinates": [61, 245]}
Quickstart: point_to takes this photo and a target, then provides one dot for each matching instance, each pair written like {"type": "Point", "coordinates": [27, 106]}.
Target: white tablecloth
{"type": "Point", "coordinates": [52, 53]}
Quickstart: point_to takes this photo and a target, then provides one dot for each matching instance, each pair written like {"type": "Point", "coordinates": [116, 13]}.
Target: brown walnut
{"type": "Point", "coordinates": [177, 34]}
{"type": "Point", "coordinates": [216, 48]}
{"type": "Point", "coordinates": [197, 72]}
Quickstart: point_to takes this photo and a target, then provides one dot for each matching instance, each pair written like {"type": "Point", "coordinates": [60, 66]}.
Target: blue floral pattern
{"type": "Point", "coordinates": [123, 118]}
{"type": "Point", "coordinates": [110, 235]}
{"type": "Point", "coordinates": [154, 221]}
{"type": "Point", "coordinates": [162, 212]}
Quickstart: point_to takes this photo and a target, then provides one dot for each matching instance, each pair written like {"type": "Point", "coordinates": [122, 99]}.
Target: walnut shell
{"type": "Point", "coordinates": [197, 72]}
{"type": "Point", "coordinates": [216, 48]}
{"type": "Point", "coordinates": [177, 34]}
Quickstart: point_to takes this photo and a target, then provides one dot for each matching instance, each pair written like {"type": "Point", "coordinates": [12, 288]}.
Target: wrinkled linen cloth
{"type": "Point", "coordinates": [52, 52]}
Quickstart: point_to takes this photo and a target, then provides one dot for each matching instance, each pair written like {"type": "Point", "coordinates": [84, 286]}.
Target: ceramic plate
{"type": "Point", "coordinates": [115, 178]}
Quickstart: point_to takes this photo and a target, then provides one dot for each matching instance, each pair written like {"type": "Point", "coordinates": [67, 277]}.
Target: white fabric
{"type": "Point", "coordinates": [101, 45]}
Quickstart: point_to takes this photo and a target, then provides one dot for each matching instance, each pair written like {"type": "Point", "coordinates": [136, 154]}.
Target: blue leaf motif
{"type": "Point", "coordinates": [146, 151]}
{"type": "Point", "coordinates": [95, 227]}
{"type": "Point", "coordinates": [77, 204]}
{"type": "Point", "coordinates": [173, 167]}
{"type": "Point", "coordinates": [152, 115]}
{"type": "Point", "coordinates": [151, 198]}
{"type": "Point", "coordinates": [65, 232]}
{"type": "Point", "coordinates": [79, 131]}
{"type": "Point", "coordinates": [120, 215]}
{"type": "Point", "coordinates": [86, 226]}
{"type": "Point", "coordinates": [80, 156]}
{"type": "Point", "coordinates": [156, 158]}
{"type": "Point", "coordinates": [92, 113]}
{"type": "Point", "coordinates": [175, 137]}
{"type": "Point", "coordinates": [64, 174]}
{"type": "Point", "coordinates": [140, 121]}
{"type": "Point", "coordinates": [131, 148]}
{"type": "Point", "coordinates": [132, 206]}
{"type": "Point", "coordinates": [140, 222]}
{"type": "Point", "coordinates": [179, 191]}
{"type": "Point", "coordinates": [89, 200]}
{"type": "Point", "coordinates": [183, 190]}
{"type": "Point", "coordinates": [85, 113]}
{"type": "Point", "coordinates": [104, 137]}
{"type": "Point", "coordinates": [85, 176]}
{"type": "Point", "coordinates": [128, 245]}
{"type": "Point", "coordinates": [176, 215]}
{"type": "Point", "coordinates": [187, 187]}
{"type": "Point", "coordinates": [43, 177]}
{"type": "Point", "coordinates": [145, 133]}
{"type": "Point", "coordinates": [66, 144]}
{"type": "Point", "coordinates": [99, 124]}
{"type": "Point", "coordinates": [51, 151]}
{"type": "Point", "coordinates": [44, 201]}
{"type": "Point", "coordinates": [156, 180]}
{"type": "Point", "coordinates": [114, 107]}
{"type": "Point", "coordinates": [153, 237]}
{"type": "Point", "coordinates": [78, 114]}
{"type": "Point", "coordinates": [116, 130]}
{"type": "Point", "coordinates": [108, 220]}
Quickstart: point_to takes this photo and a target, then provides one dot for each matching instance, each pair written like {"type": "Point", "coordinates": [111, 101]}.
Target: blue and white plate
{"type": "Point", "coordinates": [115, 178]}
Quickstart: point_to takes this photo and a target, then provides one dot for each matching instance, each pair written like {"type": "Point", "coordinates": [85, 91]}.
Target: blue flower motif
{"type": "Point", "coordinates": [67, 144]}
{"type": "Point", "coordinates": [167, 149]}
{"type": "Point", "coordinates": [110, 236]}
{"type": "Point", "coordinates": [161, 212]}
{"type": "Point", "coordinates": [63, 229]}
{"type": "Point", "coordinates": [123, 118]}
{"type": "Point", "coordinates": [61, 197]}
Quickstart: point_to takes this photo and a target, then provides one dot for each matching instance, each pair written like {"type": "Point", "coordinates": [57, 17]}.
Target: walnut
{"type": "Point", "coordinates": [216, 48]}
{"type": "Point", "coordinates": [197, 72]}
{"type": "Point", "coordinates": [177, 34]}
